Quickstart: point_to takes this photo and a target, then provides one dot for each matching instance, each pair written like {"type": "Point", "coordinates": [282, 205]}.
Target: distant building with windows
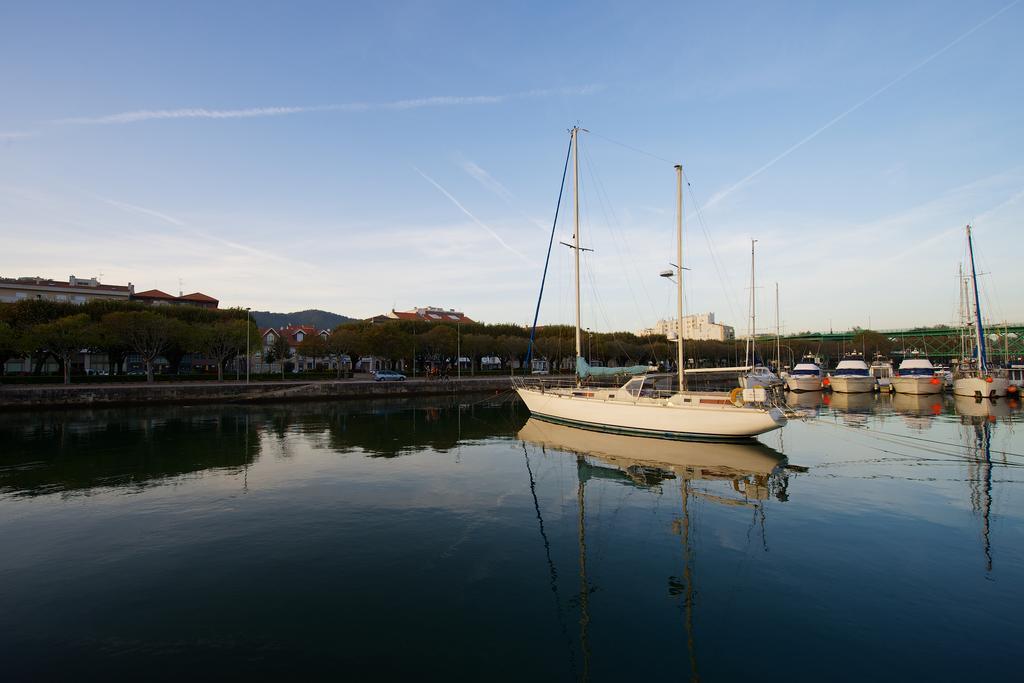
{"type": "Point", "coordinates": [74, 290]}
{"type": "Point", "coordinates": [700, 327]}
{"type": "Point", "coordinates": [78, 290]}
{"type": "Point", "coordinates": [429, 314]}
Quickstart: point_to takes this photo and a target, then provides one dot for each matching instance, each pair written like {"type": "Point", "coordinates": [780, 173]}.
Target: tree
{"type": "Point", "coordinates": [512, 347]}
{"type": "Point", "coordinates": [8, 345]}
{"type": "Point", "coordinates": [439, 343]}
{"type": "Point", "coordinates": [475, 345]}
{"type": "Point", "coordinates": [147, 334]}
{"type": "Point", "coordinates": [314, 346]}
{"type": "Point", "coordinates": [872, 342]}
{"type": "Point", "coordinates": [345, 341]}
{"type": "Point", "coordinates": [64, 338]}
{"type": "Point", "coordinates": [388, 341]}
{"type": "Point", "coordinates": [223, 341]}
{"type": "Point", "coordinates": [280, 351]}
{"type": "Point", "coordinates": [185, 338]}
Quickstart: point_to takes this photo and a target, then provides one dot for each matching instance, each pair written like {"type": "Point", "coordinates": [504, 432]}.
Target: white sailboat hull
{"type": "Point", "coordinates": [803, 383]}
{"type": "Point", "coordinates": [916, 385]}
{"type": "Point", "coordinates": [979, 386]}
{"type": "Point", "coordinates": [660, 418]}
{"type": "Point", "coordinates": [852, 385]}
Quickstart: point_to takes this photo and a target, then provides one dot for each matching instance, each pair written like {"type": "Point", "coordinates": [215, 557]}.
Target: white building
{"type": "Point", "coordinates": [701, 326]}
{"type": "Point", "coordinates": [75, 290]}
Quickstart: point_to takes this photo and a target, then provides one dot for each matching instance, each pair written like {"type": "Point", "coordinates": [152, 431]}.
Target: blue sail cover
{"type": "Point", "coordinates": [584, 370]}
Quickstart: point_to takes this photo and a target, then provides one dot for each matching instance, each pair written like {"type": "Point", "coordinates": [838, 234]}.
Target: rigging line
{"type": "Point", "coordinates": [604, 200]}
{"type": "Point", "coordinates": [552, 571]}
{"type": "Point", "coordinates": [547, 258]}
{"type": "Point", "coordinates": [895, 438]}
{"type": "Point", "coordinates": [613, 226]}
{"type": "Point", "coordinates": [632, 148]}
{"type": "Point", "coordinates": [730, 292]}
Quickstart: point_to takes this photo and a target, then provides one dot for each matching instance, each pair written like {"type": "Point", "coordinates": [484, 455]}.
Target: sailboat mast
{"type": "Point", "coordinates": [679, 277]}
{"type": "Point", "coordinates": [982, 356]}
{"type": "Point", "coordinates": [576, 229]}
{"type": "Point", "coordinates": [749, 357]}
{"type": "Point", "coordinates": [778, 338]}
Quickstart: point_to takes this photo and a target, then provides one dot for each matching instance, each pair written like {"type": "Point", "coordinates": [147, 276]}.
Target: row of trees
{"type": "Point", "coordinates": [42, 330]}
{"type": "Point", "coordinates": [433, 343]}
{"type": "Point", "coordinates": [45, 329]}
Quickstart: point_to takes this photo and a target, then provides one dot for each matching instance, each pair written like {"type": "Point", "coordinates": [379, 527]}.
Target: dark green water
{"type": "Point", "coordinates": [430, 540]}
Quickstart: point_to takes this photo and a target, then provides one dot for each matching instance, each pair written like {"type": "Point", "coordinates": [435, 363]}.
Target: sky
{"type": "Point", "coordinates": [363, 157]}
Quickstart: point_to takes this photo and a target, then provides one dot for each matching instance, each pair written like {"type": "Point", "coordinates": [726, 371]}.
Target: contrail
{"type": "Point", "coordinates": [476, 220]}
{"type": "Point", "coordinates": [397, 105]}
{"type": "Point", "coordinates": [719, 196]}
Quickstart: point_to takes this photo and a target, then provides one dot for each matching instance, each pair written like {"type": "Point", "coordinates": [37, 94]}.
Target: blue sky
{"type": "Point", "coordinates": [359, 157]}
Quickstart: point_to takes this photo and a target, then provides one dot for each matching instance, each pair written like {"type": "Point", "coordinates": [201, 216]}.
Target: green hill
{"type": "Point", "coordinates": [321, 320]}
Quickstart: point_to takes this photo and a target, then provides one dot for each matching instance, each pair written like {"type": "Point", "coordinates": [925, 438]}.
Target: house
{"type": "Point", "coordinates": [75, 290]}
{"type": "Point", "coordinates": [296, 334]}
{"type": "Point", "coordinates": [155, 297]}
{"type": "Point", "coordinates": [429, 314]}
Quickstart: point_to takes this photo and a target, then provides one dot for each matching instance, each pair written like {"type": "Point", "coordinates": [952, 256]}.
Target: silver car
{"type": "Point", "coordinates": [388, 376]}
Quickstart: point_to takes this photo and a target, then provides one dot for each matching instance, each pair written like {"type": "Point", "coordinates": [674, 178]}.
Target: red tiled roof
{"type": "Point", "coordinates": [154, 294]}
{"type": "Point", "coordinates": [431, 316]}
{"type": "Point", "coordinates": [198, 296]}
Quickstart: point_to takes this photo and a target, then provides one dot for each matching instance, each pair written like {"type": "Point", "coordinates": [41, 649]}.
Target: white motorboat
{"type": "Point", "coordinates": [805, 376]}
{"type": "Point", "coordinates": [882, 370]}
{"type": "Point", "coordinates": [646, 405]}
{"type": "Point", "coordinates": [851, 376]}
{"type": "Point", "coordinates": [972, 376]}
{"type": "Point", "coordinates": [916, 375]}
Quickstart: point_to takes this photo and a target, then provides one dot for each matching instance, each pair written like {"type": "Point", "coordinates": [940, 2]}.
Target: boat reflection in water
{"type": "Point", "coordinates": [918, 410]}
{"type": "Point", "coordinates": [807, 403]}
{"type": "Point", "coordinates": [968, 406]}
{"type": "Point", "coordinates": [754, 473]}
{"type": "Point", "coordinates": [748, 465]}
{"type": "Point", "coordinates": [853, 407]}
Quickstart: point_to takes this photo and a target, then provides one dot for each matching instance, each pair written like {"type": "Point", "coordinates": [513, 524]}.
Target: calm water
{"type": "Point", "coordinates": [878, 539]}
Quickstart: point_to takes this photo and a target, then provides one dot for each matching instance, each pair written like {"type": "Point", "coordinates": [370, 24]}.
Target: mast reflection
{"type": "Point", "coordinates": [754, 473]}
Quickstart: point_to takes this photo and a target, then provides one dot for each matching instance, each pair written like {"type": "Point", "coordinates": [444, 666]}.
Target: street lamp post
{"type": "Point", "coordinates": [248, 331]}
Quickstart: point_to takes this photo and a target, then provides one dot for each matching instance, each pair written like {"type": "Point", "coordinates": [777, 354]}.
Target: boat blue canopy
{"type": "Point", "coordinates": [584, 370]}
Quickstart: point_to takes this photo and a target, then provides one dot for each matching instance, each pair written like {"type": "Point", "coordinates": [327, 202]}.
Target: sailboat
{"type": "Point", "coordinates": [972, 376]}
{"type": "Point", "coordinates": [646, 404]}
{"type": "Point", "coordinates": [757, 374]}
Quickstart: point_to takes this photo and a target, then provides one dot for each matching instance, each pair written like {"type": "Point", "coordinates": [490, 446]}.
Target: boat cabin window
{"type": "Point", "coordinates": [917, 372]}
{"type": "Point", "coordinates": [808, 371]}
{"type": "Point", "coordinates": [666, 384]}
{"type": "Point", "coordinates": [634, 386]}
{"type": "Point", "coordinates": [854, 372]}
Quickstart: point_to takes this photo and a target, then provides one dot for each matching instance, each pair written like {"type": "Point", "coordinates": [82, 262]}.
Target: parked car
{"type": "Point", "coordinates": [388, 376]}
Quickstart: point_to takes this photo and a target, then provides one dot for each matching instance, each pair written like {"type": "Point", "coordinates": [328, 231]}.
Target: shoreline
{"type": "Point", "coordinates": [15, 397]}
